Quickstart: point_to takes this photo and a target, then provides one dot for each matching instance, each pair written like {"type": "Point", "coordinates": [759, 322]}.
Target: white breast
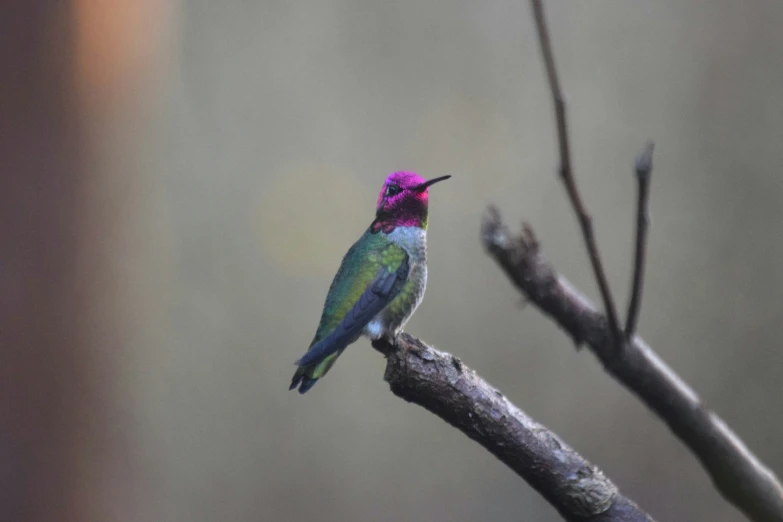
{"type": "Point", "coordinates": [413, 240]}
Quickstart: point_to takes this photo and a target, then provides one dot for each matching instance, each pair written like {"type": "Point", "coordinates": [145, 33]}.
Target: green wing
{"type": "Point", "coordinates": [370, 276]}
{"type": "Point", "coordinates": [360, 266]}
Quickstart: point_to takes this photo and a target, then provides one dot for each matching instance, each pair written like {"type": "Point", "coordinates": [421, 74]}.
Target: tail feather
{"type": "Point", "coordinates": [297, 378]}
{"type": "Point", "coordinates": [305, 377]}
{"type": "Point", "coordinates": [307, 383]}
{"type": "Point", "coordinates": [302, 381]}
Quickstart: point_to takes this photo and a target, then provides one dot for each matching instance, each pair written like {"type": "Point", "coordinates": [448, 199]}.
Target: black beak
{"type": "Point", "coordinates": [424, 186]}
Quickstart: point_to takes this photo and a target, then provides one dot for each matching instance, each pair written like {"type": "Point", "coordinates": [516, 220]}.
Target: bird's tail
{"type": "Point", "coordinates": [306, 376]}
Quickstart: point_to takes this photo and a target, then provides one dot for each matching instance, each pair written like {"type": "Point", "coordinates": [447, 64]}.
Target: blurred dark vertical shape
{"type": "Point", "coordinates": [49, 422]}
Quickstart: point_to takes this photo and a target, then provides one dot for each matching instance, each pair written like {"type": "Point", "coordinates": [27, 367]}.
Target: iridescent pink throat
{"type": "Point", "coordinates": [388, 222]}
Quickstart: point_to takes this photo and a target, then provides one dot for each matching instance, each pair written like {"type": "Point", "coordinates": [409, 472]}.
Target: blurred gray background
{"type": "Point", "coordinates": [255, 161]}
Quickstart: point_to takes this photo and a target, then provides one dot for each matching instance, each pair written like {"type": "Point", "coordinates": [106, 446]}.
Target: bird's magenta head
{"type": "Point", "coordinates": [403, 201]}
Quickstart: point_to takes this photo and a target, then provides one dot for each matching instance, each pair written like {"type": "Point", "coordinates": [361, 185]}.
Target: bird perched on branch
{"type": "Point", "coordinates": [381, 280]}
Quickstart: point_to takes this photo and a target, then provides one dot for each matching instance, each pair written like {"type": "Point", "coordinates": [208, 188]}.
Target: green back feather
{"type": "Point", "coordinates": [357, 270]}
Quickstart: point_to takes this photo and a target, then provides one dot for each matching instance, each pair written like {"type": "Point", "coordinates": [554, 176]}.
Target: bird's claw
{"type": "Point", "coordinates": [386, 344]}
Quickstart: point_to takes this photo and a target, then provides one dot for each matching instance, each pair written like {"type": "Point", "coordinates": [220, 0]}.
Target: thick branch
{"type": "Point", "coordinates": [567, 172]}
{"type": "Point", "coordinates": [739, 476]}
{"type": "Point", "coordinates": [442, 384]}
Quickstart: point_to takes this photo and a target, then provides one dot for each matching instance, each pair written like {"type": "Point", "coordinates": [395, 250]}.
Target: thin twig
{"type": "Point", "coordinates": [445, 386]}
{"type": "Point", "coordinates": [567, 173]}
{"type": "Point", "coordinates": [737, 473]}
{"type": "Point", "coordinates": [643, 168]}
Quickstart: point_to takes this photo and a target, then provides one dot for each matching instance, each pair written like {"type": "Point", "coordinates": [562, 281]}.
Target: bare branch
{"type": "Point", "coordinates": [567, 173]}
{"type": "Point", "coordinates": [736, 472]}
{"type": "Point", "coordinates": [442, 384]}
{"type": "Point", "coordinates": [643, 170]}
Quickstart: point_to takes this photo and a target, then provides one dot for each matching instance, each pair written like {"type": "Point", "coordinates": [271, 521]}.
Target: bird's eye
{"type": "Point", "coordinates": [392, 190]}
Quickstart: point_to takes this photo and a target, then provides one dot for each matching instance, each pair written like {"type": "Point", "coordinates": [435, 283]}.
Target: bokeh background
{"type": "Point", "coordinates": [231, 153]}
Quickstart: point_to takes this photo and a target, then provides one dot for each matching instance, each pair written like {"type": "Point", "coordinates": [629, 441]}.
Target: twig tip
{"type": "Point", "coordinates": [493, 233]}
{"type": "Point", "coordinates": [643, 163]}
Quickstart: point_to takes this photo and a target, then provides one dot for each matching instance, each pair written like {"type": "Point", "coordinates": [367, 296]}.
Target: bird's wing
{"type": "Point", "coordinates": [383, 288]}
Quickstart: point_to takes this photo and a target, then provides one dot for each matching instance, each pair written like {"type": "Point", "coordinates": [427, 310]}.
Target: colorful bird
{"type": "Point", "coordinates": [381, 280]}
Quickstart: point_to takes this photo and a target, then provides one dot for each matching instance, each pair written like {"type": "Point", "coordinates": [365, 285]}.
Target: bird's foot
{"type": "Point", "coordinates": [382, 345]}
{"type": "Point", "coordinates": [386, 344]}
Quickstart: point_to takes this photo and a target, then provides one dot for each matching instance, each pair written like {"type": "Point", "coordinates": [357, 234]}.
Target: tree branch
{"type": "Point", "coordinates": [442, 384]}
{"type": "Point", "coordinates": [567, 172]}
{"type": "Point", "coordinates": [643, 170]}
{"type": "Point", "coordinates": [736, 472]}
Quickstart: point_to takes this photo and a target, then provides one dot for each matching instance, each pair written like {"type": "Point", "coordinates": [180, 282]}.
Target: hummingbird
{"type": "Point", "coordinates": [381, 279]}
